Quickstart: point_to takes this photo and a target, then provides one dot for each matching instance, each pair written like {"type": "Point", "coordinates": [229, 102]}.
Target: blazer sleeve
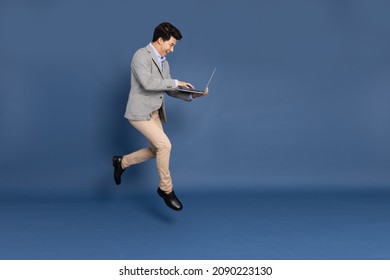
{"type": "Point", "coordinates": [175, 93]}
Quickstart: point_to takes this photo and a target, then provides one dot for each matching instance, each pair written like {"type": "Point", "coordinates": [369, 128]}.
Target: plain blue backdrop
{"type": "Point", "coordinates": [300, 99]}
{"type": "Point", "coordinates": [300, 96]}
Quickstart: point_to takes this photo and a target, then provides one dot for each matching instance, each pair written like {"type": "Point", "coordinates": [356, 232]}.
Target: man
{"type": "Point", "coordinates": [150, 79]}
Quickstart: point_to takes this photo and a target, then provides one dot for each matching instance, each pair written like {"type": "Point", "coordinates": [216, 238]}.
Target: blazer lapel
{"type": "Point", "coordinates": [155, 59]}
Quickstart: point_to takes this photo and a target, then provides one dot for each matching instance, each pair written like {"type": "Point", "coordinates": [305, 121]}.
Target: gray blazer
{"type": "Point", "coordinates": [148, 84]}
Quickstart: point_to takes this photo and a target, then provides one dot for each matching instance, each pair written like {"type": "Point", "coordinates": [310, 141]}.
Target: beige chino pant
{"type": "Point", "coordinates": [160, 148]}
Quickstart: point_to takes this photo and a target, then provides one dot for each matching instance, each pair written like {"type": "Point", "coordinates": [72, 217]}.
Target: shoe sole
{"type": "Point", "coordinates": [114, 165]}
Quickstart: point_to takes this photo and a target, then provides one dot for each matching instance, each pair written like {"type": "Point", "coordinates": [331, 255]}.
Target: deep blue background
{"type": "Point", "coordinates": [300, 97]}
{"type": "Point", "coordinates": [300, 100]}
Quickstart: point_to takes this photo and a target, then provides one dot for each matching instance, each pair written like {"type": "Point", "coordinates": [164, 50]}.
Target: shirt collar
{"type": "Point", "coordinates": [160, 58]}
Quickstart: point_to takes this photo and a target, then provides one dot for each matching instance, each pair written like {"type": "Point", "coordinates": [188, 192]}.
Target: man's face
{"type": "Point", "coordinates": [166, 47]}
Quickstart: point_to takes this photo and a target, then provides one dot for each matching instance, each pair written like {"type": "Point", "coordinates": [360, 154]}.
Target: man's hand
{"type": "Point", "coordinates": [195, 95]}
{"type": "Point", "coordinates": [185, 84]}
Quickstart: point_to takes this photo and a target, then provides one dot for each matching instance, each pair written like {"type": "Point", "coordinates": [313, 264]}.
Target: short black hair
{"type": "Point", "coordinates": [165, 30]}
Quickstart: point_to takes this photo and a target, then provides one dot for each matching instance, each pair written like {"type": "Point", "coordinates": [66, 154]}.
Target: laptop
{"type": "Point", "coordinates": [188, 90]}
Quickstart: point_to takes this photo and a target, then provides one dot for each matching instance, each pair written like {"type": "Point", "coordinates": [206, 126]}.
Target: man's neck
{"type": "Point", "coordinates": [156, 46]}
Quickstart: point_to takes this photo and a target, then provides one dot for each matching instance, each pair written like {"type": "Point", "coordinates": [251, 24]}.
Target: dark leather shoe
{"type": "Point", "coordinates": [170, 200]}
{"type": "Point", "coordinates": [118, 170]}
